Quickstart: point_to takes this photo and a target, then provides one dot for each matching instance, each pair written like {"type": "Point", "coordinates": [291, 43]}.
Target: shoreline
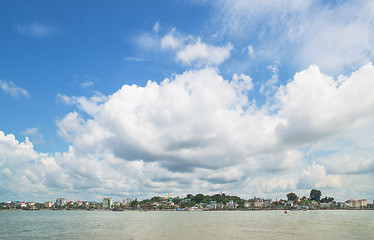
{"type": "Point", "coordinates": [174, 210]}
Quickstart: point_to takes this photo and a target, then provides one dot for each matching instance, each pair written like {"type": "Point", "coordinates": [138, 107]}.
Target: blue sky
{"type": "Point", "coordinates": [140, 99]}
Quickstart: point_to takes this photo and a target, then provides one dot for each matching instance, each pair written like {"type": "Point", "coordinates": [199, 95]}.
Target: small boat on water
{"type": "Point", "coordinates": [117, 210]}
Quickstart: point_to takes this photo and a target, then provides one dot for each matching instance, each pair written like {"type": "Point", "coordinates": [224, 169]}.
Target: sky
{"type": "Point", "coordinates": [141, 98]}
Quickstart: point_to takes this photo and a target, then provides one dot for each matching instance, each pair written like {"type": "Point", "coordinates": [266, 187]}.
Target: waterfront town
{"type": "Point", "coordinates": [196, 202]}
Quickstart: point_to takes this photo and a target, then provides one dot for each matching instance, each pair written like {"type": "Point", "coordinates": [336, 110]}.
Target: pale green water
{"type": "Point", "coordinates": [314, 225]}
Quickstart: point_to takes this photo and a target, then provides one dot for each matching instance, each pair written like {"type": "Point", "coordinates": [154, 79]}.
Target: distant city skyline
{"type": "Point", "coordinates": [138, 99]}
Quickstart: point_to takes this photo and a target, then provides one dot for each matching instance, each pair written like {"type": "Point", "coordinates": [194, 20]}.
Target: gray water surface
{"type": "Point", "coordinates": [318, 224]}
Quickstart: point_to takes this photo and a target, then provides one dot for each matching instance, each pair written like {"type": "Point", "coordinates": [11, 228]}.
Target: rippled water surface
{"type": "Point", "coordinates": [332, 224]}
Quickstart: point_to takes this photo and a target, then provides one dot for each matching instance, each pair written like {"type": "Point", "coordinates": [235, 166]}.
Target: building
{"type": "Point", "coordinates": [259, 204]}
{"type": "Point", "coordinates": [289, 203]}
{"type": "Point", "coordinates": [212, 205]}
{"type": "Point", "coordinates": [60, 201]}
{"type": "Point", "coordinates": [126, 201]}
{"type": "Point", "coordinates": [231, 204]}
{"type": "Point", "coordinates": [48, 204]}
{"type": "Point", "coordinates": [326, 205]}
{"type": "Point", "coordinates": [117, 204]}
{"type": "Point", "coordinates": [247, 204]}
{"type": "Point", "coordinates": [107, 202]}
{"type": "Point", "coordinates": [356, 204]}
{"type": "Point", "coordinates": [363, 203]}
{"type": "Point", "coordinates": [10, 204]}
{"type": "Point", "coordinates": [267, 202]}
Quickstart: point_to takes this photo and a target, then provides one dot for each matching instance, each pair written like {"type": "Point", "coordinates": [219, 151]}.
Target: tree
{"type": "Point", "coordinates": [190, 196]}
{"type": "Point", "coordinates": [199, 198]}
{"type": "Point", "coordinates": [327, 199]}
{"type": "Point", "coordinates": [134, 203]}
{"type": "Point", "coordinates": [315, 195]}
{"type": "Point", "coordinates": [176, 200]}
{"type": "Point", "coordinates": [291, 196]}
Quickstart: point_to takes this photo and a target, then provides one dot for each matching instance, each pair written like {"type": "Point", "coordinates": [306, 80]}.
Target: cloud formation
{"type": "Point", "coordinates": [203, 54]}
{"type": "Point", "coordinates": [191, 51]}
{"type": "Point", "coordinates": [200, 132]}
{"type": "Point", "coordinates": [334, 35]}
{"type": "Point", "coordinates": [198, 129]}
{"type": "Point", "coordinates": [12, 89]}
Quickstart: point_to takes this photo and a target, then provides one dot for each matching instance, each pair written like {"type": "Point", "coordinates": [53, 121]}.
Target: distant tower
{"type": "Point", "coordinates": [169, 198]}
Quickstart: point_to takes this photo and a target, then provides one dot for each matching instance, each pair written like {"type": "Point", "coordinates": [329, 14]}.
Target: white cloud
{"type": "Point", "coordinates": [37, 30]}
{"type": "Point", "coordinates": [200, 53]}
{"type": "Point", "coordinates": [198, 120]}
{"type": "Point", "coordinates": [270, 86]}
{"type": "Point", "coordinates": [147, 40]}
{"type": "Point", "coordinates": [12, 89]}
{"type": "Point", "coordinates": [315, 176]}
{"type": "Point", "coordinates": [87, 83]}
{"type": "Point", "coordinates": [193, 51]}
{"type": "Point", "coordinates": [156, 27]}
{"type": "Point", "coordinates": [170, 41]}
{"type": "Point", "coordinates": [315, 105]}
{"type": "Point", "coordinates": [156, 122]}
{"type": "Point", "coordinates": [198, 132]}
{"type": "Point", "coordinates": [338, 36]}
{"type": "Point", "coordinates": [134, 59]}
{"type": "Point", "coordinates": [34, 133]}
{"type": "Point", "coordinates": [251, 52]}
{"type": "Point", "coordinates": [89, 105]}
{"type": "Point", "coordinates": [242, 81]}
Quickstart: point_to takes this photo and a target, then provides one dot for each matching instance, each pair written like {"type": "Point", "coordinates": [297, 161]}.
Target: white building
{"type": "Point", "coordinates": [48, 204]}
{"type": "Point", "coordinates": [363, 203]}
{"type": "Point", "coordinates": [351, 203]}
{"type": "Point", "coordinates": [289, 203]}
{"type": "Point", "coordinates": [267, 202]}
{"type": "Point", "coordinates": [259, 204]}
{"type": "Point", "coordinates": [326, 205]}
{"type": "Point", "coordinates": [231, 204]}
{"type": "Point", "coordinates": [107, 202]}
{"type": "Point", "coordinates": [212, 205]}
{"type": "Point", "coordinates": [126, 201]}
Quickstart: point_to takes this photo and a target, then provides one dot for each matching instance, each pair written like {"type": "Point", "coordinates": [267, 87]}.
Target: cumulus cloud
{"type": "Point", "coordinates": [170, 41]}
{"type": "Point", "coordinates": [15, 157]}
{"type": "Point", "coordinates": [316, 105]}
{"type": "Point", "coordinates": [198, 117]}
{"type": "Point", "coordinates": [198, 132]}
{"type": "Point", "coordinates": [315, 176]}
{"type": "Point", "coordinates": [193, 51]}
{"type": "Point", "coordinates": [12, 89]}
{"type": "Point", "coordinates": [89, 105]}
{"type": "Point", "coordinates": [242, 81]}
{"type": "Point", "coordinates": [203, 54]}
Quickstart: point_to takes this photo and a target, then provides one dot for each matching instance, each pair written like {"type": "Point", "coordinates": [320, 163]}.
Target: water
{"type": "Point", "coordinates": [333, 224]}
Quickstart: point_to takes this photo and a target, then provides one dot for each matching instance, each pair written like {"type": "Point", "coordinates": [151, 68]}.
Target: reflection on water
{"type": "Point", "coordinates": [338, 224]}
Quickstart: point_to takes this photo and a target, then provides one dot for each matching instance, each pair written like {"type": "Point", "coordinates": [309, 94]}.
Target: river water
{"type": "Point", "coordinates": [316, 224]}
